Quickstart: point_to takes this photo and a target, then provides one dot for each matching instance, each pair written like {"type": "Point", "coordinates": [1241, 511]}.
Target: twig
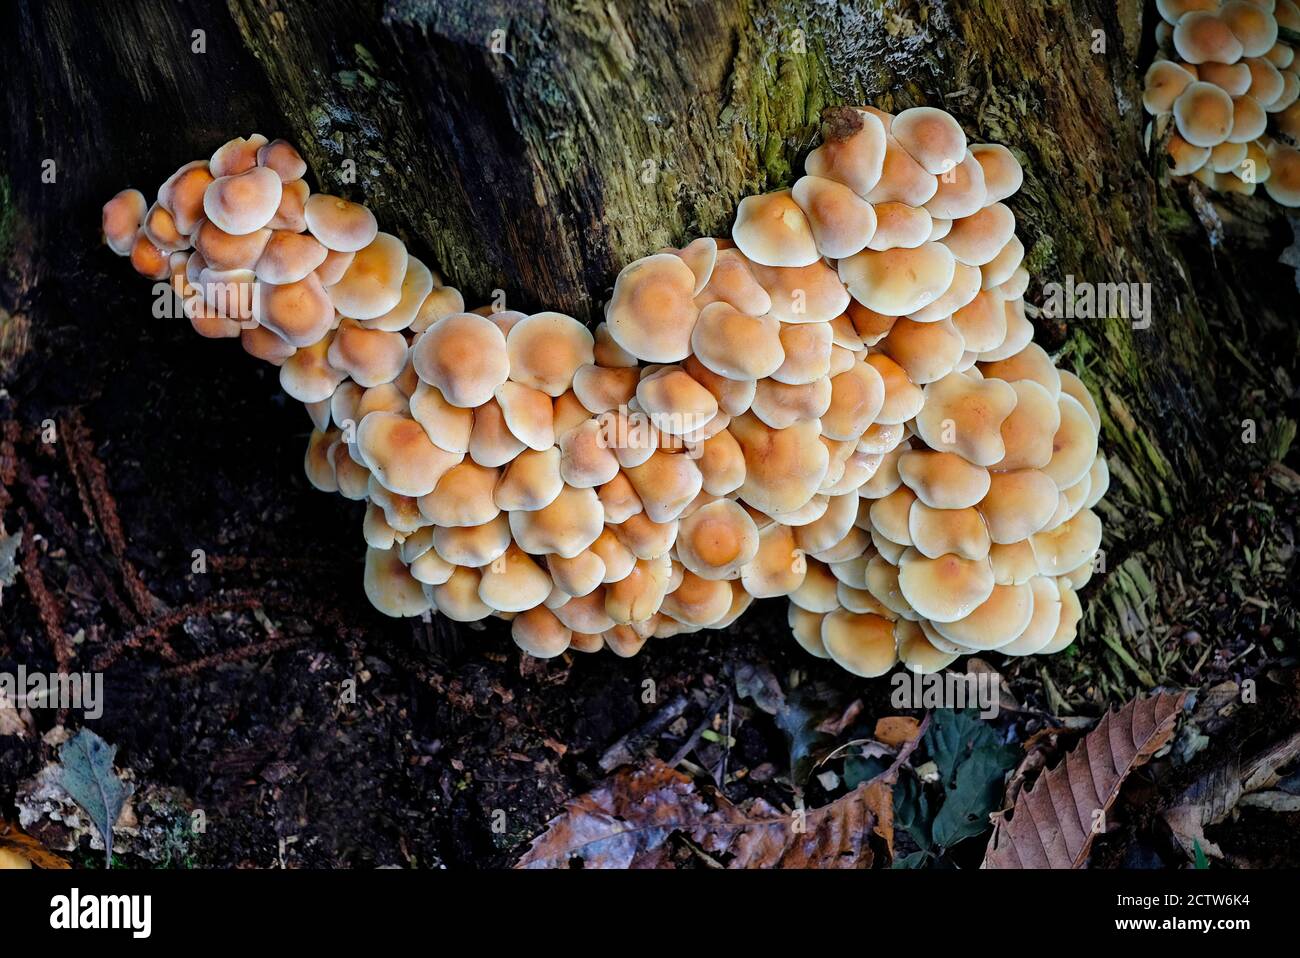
{"type": "Point", "coordinates": [88, 469]}
{"type": "Point", "coordinates": [624, 749]}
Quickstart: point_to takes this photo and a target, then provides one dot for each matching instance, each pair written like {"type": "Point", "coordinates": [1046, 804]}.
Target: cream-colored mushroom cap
{"type": "Point", "coordinates": [994, 623]}
{"type": "Point", "coordinates": [513, 582]}
{"type": "Point", "coordinates": [806, 348]}
{"type": "Point", "coordinates": [222, 250]}
{"type": "Point", "coordinates": [899, 282]}
{"type": "Point", "coordinates": [675, 402]}
{"type": "Point", "coordinates": [1283, 184]}
{"type": "Point", "coordinates": [417, 284]}
{"type": "Point", "coordinates": [282, 157]}
{"type": "Point", "coordinates": [943, 480]}
{"type": "Point", "coordinates": [463, 496]}
{"type": "Point", "coordinates": [448, 426]}
{"type": "Point", "coordinates": [1201, 37]}
{"type": "Point", "coordinates": [903, 398]}
{"type": "Point", "coordinates": [400, 454]}
{"type": "Point", "coordinates": [1266, 82]}
{"type": "Point", "coordinates": [585, 457]}
{"type": "Point", "coordinates": [1164, 81]}
{"type": "Point", "coordinates": [1074, 446]}
{"type": "Point", "coordinates": [546, 349]}
{"type": "Point", "coordinates": [961, 192]}
{"type": "Point", "coordinates": [965, 416]}
{"type": "Point", "coordinates": [372, 284]}
{"type": "Point", "coordinates": [918, 653]}
{"type": "Point", "coordinates": [857, 396]}
{"type": "Point", "coordinates": [938, 532]}
{"type": "Point", "coordinates": [1252, 23]}
{"type": "Point", "coordinates": [842, 221]}
{"type": "Point", "coordinates": [899, 226]}
{"type": "Point", "coordinates": [1232, 78]}
{"type": "Point", "coordinates": [1069, 545]}
{"type": "Point", "coordinates": [463, 355]}
{"type": "Point", "coordinates": [639, 594]}
{"type": "Point", "coordinates": [300, 313]}
{"type": "Point", "coordinates": [734, 396]}
{"type": "Point", "coordinates": [651, 313]}
{"type": "Point", "coordinates": [529, 414]}
{"type": "Point", "coordinates": [926, 351]}
{"type": "Point", "coordinates": [182, 195]}
{"type": "Point", "coordinates": [806, 294]}
{"type": "Point", "coordinates": [931, 137]}
{"type": "Point", "coordinates": [806, 627]}
{"type": "Point", "coordinates": [1018, 504]}
{"type": "Point", "coordinates": [1028, 434]}
{"type": "Point", "coordinates": [370, 356]}
{"type": "Point", "coordinates": [944, 589]}
{"type": "Point", "coordinates": [236, 155]}
{"type": "Point", "coordinates": [778, 567]}
{"type": "Point", "coordinates": [473, 545]}
{"type": "Point", "coordinates": [732, 282]}
{"type": "Point", "coordinates": [979, 238]}
{"type": "Point", "coordinates": [1003, 175]}
{"type": "Point", "coordinates": [771, 230]}
{"type": "Point", "coordinates": [717, 540]}
{"type": "Point", "coordinates": [531, 480]}
{"type": "Point", "coordinates": [307, 375]}
{"type": "Point", "coordinates": [852, 150]}
{"type": "Point", "coordinates": [566, 526]}
{"type": "Point", "coordinates": [457, 598]}
{"type": "Point", "coordinates": [783, 468]}
{"type": "Point", "coordinates": [666, 483]}
{"type": "Point", "coordinates": [340, 224]}
{"type": "Point", "coordinates": [244, 202]}
{"type": "Point", "coordinates": [1172, 10]}
{"type": "Point", "coordinates": [121, 220]}
{"type": "Point", "coordinates": [736, 345]}
{"type": "Point", "coordinates": [861, 644]}
{"type": "Point", "coordinates": [902, 179]}
{"type": "Point", "coordinates": [539, 633]}
{"type": "Point", "coordinates": [698, 601]}
{"type": "Point", "coordinates": [1204, 114]}
{"type": "Point", "coordinates": [390, 587]}
{"type": "Point", "coordinates": [288, 257]}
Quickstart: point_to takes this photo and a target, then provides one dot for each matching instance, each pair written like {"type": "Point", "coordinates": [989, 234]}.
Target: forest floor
{"type": "Point", "coordinates": [228, 689]}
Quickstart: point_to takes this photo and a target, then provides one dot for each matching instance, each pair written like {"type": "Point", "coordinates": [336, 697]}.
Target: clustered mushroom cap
{"type": "Point", "coordinates": [841, 405]}
{"type": "Point", "coordinates": [1221, 73]}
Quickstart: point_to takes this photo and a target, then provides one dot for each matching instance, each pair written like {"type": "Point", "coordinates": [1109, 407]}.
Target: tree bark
{"type": "Point", "coordinates": [534, 148]}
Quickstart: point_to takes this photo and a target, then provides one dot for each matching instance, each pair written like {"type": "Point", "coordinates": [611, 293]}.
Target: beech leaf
{"type": "Point", "coordinates": [1052, 823]}
{"type": "Point", "coordinates": [627, 820]}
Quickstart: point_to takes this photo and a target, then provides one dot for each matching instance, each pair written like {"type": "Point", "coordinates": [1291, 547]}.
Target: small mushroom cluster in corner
{"type": "Point", "coordinates": [842, 404]}
{"type": "Point", "coordinates": [1222, 71]}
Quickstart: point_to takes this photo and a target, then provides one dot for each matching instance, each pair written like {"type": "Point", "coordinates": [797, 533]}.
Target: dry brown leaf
{"type": "Point", "coordinates": [627, 820]}
{"type": "Point", "coordinates": [14, 840]}
{"type": "Point", "coordinates": [896, 730]}
{"type": "Point", "coordinates": [1053, 823]}
{"type": "Point", "coordinates": [1212, 796]}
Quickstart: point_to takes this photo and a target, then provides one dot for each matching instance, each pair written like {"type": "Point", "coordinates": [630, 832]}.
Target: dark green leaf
{"type": "Point", "coordinates": [914, 860]}
{"type": "Point", "coordinates": [912, 808]}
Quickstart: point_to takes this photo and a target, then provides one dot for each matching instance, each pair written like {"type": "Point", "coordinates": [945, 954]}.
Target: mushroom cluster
{"type": "Point", "coordinates": [1222, 71]}
{"type": "Point", "coordinates": [841, 404]}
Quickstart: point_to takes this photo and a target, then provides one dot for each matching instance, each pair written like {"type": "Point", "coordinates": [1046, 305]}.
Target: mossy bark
{"type": "Point", "coordinates": [533, 148]}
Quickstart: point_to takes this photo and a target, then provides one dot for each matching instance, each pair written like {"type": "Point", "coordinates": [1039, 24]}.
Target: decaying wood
{"type": "Point", "coordinates": [532, 148]}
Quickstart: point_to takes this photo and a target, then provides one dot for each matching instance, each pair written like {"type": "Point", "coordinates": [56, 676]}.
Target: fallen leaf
{"type": "Point", "coordinates": [896, 730]}
{"type": "Point", "coordinates": [1052, 824]}
{"type": "Point", "coordinates": [17, 842]}
{"type": "Point", "coordinates": [86, 773]}
{"type": "Point", "coordinates": [1212, 796]}
{"type": "Point", "coordinates": [626, 822]}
